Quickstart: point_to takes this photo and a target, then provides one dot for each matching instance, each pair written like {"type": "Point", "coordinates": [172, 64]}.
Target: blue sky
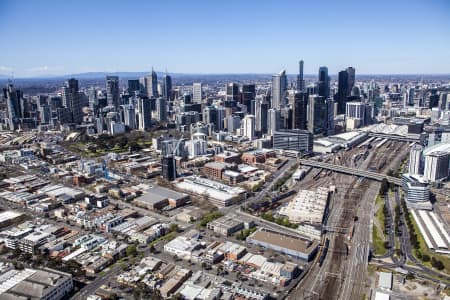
{"type": "Point", "coordinates": [376, 37]}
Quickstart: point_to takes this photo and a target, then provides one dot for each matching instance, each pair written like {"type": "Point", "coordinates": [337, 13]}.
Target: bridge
{"type": "Point", "coordinates": [351, 171]}
{"type": "Point", "coordinates": [394, 137]}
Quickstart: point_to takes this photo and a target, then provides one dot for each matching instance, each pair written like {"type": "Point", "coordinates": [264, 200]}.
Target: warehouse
{"type": "Point", "coordinates": [159, 197]}
{"type": "Point", "coordinates": [219, 194]}
{"type": "Point", "coordinates": [287, 244]}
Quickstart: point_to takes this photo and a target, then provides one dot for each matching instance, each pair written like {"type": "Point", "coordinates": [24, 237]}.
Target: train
{"type": "Point", "coordinates": [324, 252]}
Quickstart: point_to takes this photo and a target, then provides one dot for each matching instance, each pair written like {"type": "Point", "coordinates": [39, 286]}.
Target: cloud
{"type": "Point", "coordinates": [5, 69]}
{"type": "Point", "coordinates": [40, 71]}
{"type": "Point", "coordinates": [37, 70]}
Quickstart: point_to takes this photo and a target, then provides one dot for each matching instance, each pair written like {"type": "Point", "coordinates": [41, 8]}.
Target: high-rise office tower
{"type": "Point", "coordinates": [209, 115]}
{"type": "Point", "coordinates": [161, 109]}
{"type": "Point", "coordinates": [168, 166]}
{"type": "Point", "coordinates": [144, 113]}
{"type": "Point", "coordinates": [273, 121]}
{"type": "Point", "coordinates": [151, 84]}
{"type": "Point", "coordinates": [351, 78]}
{"type": "Point", "coordinates": [324, 82]}
{"type": "Point", "coordinates": [248, 94]}
{"type": "Point", "coordinates": [72, 100]}
{"type": "Point", "coordinates": [129, 116]}
{"type": "Point", "coordinates": [197, 92]}
{"type": "Point", "coordinates": [167, 87]}
{"type": "Point", "coordinates": [261, 115]}
{"type": "Point", "coordinates": [92, 96]}
{"type": "Point", "coordinates": [330, 116]}
{"type": "Point", "coordinates": [233, 123]}
{"type": "Point", "coordinates": [436, 166]}
{"type": "Point", "coordinates": [279, 87]}
{"type": "Point", "coordinates": [444, 99]}
{"type": "Point", "coordinates": [300, 80]}
{"type": "Point", "coordinates": [343, 91]}
{"type": "Point", "coordinates": [45, 114]}
{"type": "Point", "coordinates": [232, 92]}
{"type": "Point", "coordinates": [317, 115]}
{"type": "Point", "coordinates": [112, 91]}
{"type": "Point", "coordinates": [415, 160]}
{"type": "Point", "coordinates": [12, 97]}
{"type": "Point", "coordinates": [133, 86]}
{"type": "Point", "coordinates": [248, 127]}
{"type": "Point", "coordinates": [299, 104]}
{"type": "Point", "coordinates": [220, 118]}
{"type": "Point", "coordinates": [231, 98]}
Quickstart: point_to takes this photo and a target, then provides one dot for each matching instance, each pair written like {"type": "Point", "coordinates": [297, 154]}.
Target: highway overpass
{"type": "Point", "coordinates": [351, 171]}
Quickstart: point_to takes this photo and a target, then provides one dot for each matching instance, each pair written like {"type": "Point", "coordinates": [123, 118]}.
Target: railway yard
{"type": "Point", "coordinates": [341, 271]}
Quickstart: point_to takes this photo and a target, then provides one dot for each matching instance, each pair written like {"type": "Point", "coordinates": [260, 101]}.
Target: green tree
{"type": "Point", "coordinates": [131, 250]}
{"type": "Point", "coordinates": [173, 227]}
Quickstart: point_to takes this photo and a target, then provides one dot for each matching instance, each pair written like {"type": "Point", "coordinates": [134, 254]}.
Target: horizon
{"type": "Point", "coordinates": [254, 37]}
{"type": "Point", "coordinates": [175, 74]}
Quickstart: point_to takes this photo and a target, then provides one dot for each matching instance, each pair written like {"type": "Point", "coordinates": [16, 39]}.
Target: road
{"type": "Point", "coordinates": [93, 286]}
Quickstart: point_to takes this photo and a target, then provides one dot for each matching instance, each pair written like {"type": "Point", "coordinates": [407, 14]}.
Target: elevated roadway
{"type": "Point", "coordinates": [351, 171]}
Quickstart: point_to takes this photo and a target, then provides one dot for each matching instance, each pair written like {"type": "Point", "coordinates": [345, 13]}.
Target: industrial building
{"type": "Point", "coordinates": [217, 193]}
{"type": "Point", "coordinates": [307, 207]}
{"type": "Point", "coordinates": [433, 231]}
{"type": "Point", "coordinates": [159, 197]}
{"type": "Point", "coordinates": [45, 284]}
{"type": "Point", "coordinates": [287, 244]}
{"type": "Point", "coordinates": [226, 225]}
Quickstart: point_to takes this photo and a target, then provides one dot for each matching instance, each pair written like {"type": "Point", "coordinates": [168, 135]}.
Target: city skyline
{"type": "Point", "coordinates": [405, 37]}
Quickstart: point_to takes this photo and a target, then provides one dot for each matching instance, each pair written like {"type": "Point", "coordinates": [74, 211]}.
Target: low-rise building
{"type": "Point", "coordinates": [287, 244]}
{"type": "Point", "coordinates": [45, 284]}
{"type": "Point", "coordinates": [218, 194]}
{"type": "Point", "coordinates": [226, 225]}
{"type": "Point", "coordinates": [159, 197]}
{"type": "Point", "coordinates": [182, 246]}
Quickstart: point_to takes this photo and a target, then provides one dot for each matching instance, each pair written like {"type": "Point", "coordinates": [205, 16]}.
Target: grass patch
{"type": "Point", "coordinates": [378, 242]}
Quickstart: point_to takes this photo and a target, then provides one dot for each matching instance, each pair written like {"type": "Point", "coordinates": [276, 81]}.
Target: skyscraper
{"type": "Point", "coordinates": [299, 103]}
{"type": "Point", "coordinates": [144, 113]}
{"type": "Point", "coordinates": [167, 87]}
{"type": "Point", "coordinates": [300, 80]}
{"type": "Point", "coordinates": [129, 116]}
{"type": "Point", "coordinates": [261, 109]}
{"type": "Point", "coordinates": [279, 87]}
{"type": "Point", "coordinates": [133, 85]}
{"type": "Point", "coordinates": [231, 98]}
{"type": "Point", "coordinates": [317, 115]}
{"type": "Point", "coordinates": [248, 94]}
{"type": "Point", "coordinates": [415, 160]}
{"type": "Point", "coordinates": [248, 127]}
{"type": "Point", "coordinates": [324, 82]}
{"type": "Point", "coordinates": [12, 97]}
{"type": "Point", "coordinates": [351, 78]}
{"type": "Point", "coordinates": [72, 100]}
{"type": "Point", "coordinates": [343, 91]}
{"type": "Point", "coordinates": [273, 121]}
{"type": "Point", "coordinates": [197, 92]}
{"type": "Point", "coordinates": [232, 92]}
{"type": "Point", "coordinates": [161, 109]}
{"type": "Point", "coordinates": [151, 84]}
{"type": "Point", "coordinates": [112, 91]}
